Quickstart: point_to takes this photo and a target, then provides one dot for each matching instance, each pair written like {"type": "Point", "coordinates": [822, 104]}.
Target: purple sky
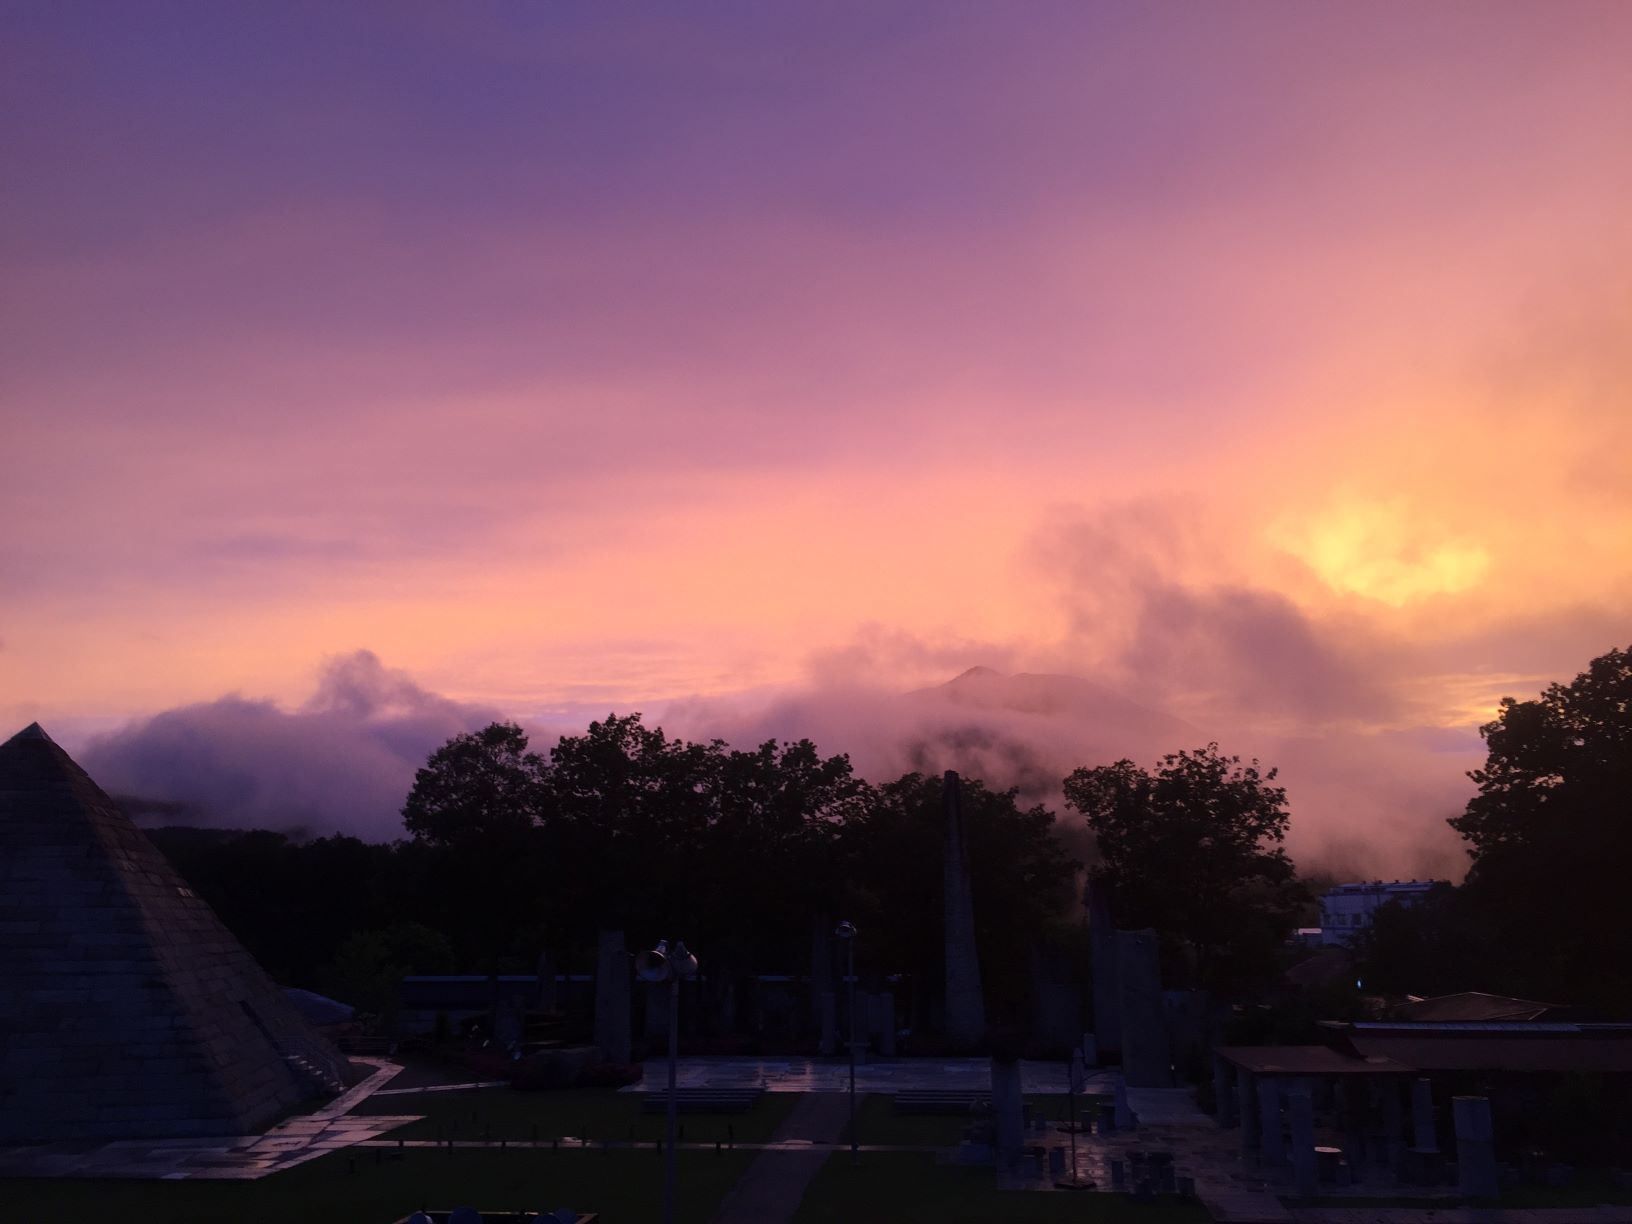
{"type": "Point", "coordinates": [1264, 363]}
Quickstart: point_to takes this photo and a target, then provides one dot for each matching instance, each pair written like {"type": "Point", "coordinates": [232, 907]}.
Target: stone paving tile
{"type": "Point", "coordinates": [442, 1088]}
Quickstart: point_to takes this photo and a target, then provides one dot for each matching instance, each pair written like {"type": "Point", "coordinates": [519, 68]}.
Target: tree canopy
{"type": "Point", "coordinates": [744, 850]}
{"type": "Point", "coordinates": [1193, 850]}
{"type": "Point", "coordinates": [1550, 835]}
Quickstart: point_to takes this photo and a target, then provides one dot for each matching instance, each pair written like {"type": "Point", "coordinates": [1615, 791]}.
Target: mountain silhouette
{"type": "Point", "coordinates": [1070, 698]}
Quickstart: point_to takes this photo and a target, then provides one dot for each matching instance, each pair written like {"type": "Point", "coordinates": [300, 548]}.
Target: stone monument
{"type": "Point", "coordinates": [612, 998]}
{"type": "Point", "coordinates": [1107, 996]}
{"type": "Point", "coordinates": [1145, 1059]}
{"type": "Point", "coordinates": [965, 1005]}
{"type": "Point", "coordinates": [128, 1010]}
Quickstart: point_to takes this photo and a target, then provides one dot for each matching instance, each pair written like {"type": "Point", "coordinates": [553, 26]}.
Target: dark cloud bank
{"type": "Point", "coordinates": [343, 761]}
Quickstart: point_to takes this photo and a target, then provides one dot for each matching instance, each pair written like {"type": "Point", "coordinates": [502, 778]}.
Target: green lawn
{"type": "Point", "coordinates": [1588, 1191]}
{"type": "Point", "coordinates": [592, 1113]}
{"type": "Point", "coordinates": [625, 1187]}
{"type": "Point", "coordinates": [910, 1188]}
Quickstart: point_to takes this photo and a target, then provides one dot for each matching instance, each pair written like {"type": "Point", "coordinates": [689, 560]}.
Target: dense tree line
{"type": "Point", "coordinates": [512, 852]}
{"type": "Point", "coordinates": [746, 853]}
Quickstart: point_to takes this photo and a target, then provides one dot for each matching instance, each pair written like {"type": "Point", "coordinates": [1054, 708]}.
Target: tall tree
{"type": "Point", "coordinates": [477, 806]}
{"type": "Point", "coordinates": [773, 843]}
{"type": "Point", "coordinates": [1193, 849]}
{"type": "Point", "coordinates": [1021, 878]}
{"type": "Point", "coordinates": [1550, 834]}
{"type": "Point", "coordinates": [628, 810]}
{"type": "Point", "coordinates": [484, 785]}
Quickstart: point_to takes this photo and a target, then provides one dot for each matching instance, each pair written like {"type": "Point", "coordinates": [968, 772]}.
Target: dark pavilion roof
{"type": "Point", "coordinates": [128, 1009]}
{"type": "Point", "coordinates": [1472, 1006]}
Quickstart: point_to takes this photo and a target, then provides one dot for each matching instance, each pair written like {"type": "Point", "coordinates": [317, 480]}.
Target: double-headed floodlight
{"type": "Point", "coordinates": [663, 962]}
{"type": "Point", "coordinates": [671, 964]}
{"type": "Point", "coordinates": [847, 931]}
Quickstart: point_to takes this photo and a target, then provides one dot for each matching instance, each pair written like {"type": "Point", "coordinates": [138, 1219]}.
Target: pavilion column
{"type": "Point", "coordinates": [1272, 1142]}
{"type": "Point", "coordinates": [1422, 1115]}
{"type": "Point", "coordinates": [1475, 1147]}
{"type": "Point", "coordinates": [1393, 1120]}
{"type": "Point", "coordinates": [1246, 1095]}
{"type": "Point", "coordinates": [1301, 1105]}
{"type": "Point", "coordinates": [1350, 1104]}
{"type": "Point", "coordinates": [1224, 1091]}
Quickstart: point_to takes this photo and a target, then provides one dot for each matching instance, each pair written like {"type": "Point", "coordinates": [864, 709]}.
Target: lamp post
{"type": "Point", "coordinates": [847, 932]}
{"type": "Point", "coordinates": [669, 964]}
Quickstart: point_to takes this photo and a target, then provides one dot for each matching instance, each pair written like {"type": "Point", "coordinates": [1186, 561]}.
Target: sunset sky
{"type": "Point", "coordinates": [1268, 364]}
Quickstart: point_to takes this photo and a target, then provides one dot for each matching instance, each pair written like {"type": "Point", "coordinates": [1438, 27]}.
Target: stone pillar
{"type": "Point", "coordinates": [1057, 1021]}
{"type": "Point", "coordinates": [1008, 1110]}
{"type": "Point", "coordinates": [612, 998]}
{"type": "Point", "coordinates": [828, 1005]}
{"type": "Point", "coordinates": [656, 996]}
{"type": "Point", "coordinates": [548, 1000]}
{"type": "Point", "coordinates": [1272, 1144]}
{"type": "Point", "coordinates": [1124, 1110]}
{"type": "Point", "coordinates": [1302, 1108]}
{"type": "Point", "coordinates": [1223, 1091]}
{"type": "Point", "coordinates": [883, 1025]}
{"type": "Point", "coordinates": [1246, 1096]}
{"type": "Point", "coordinates": [1422, 1116]}
{"type": "Point", "coordinates": [965, 1002]}
{"type": "Point", "coordinates": [1145, 1060]}
{"type": "Point", "coordinates": [1102, 965]}
{"type": "Point", "coordinates": [1475, 1147]}
{"type": "Point", "coordinates": [821, 964]}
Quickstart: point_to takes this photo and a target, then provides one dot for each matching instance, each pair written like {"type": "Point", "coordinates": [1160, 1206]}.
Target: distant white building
{"type": "Point", "coordinates": [1348, 908]}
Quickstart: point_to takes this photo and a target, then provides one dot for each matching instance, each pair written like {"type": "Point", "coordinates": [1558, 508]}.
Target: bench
{"type": "Point", "coordinates": [942, 1101]}
{"type": "Point", "coordinates": [703, 1100]}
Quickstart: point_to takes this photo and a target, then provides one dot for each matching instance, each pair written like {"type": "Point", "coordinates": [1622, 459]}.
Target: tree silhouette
{"type": "Point", "coordinates": [1193, 850]}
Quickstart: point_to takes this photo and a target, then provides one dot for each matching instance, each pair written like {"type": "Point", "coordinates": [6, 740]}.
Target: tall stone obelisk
{"type": "Point", "coordinates": [612, 998]}
{"type": "Point", "coordinates": [965, 1005]}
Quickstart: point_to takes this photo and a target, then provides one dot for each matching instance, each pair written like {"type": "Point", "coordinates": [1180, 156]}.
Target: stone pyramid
{"type": "Point", "coordinates": [126, 1009]}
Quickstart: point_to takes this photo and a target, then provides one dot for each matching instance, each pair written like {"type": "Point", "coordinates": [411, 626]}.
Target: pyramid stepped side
{"type": "Point", "coordinates": [129, 1010]}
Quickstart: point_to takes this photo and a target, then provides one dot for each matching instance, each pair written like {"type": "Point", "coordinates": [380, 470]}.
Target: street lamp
{"type": "Point", "coordinates": [847, 932]}
{"type": "Point", "coordinates": [669, 964]}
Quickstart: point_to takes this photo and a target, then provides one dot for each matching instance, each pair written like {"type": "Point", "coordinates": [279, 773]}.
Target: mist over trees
{"type": "Point", "coordinates": [513, 851]}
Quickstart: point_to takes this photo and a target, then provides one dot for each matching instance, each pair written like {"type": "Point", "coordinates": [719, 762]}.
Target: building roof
{"type": "Point", "coordinates": [1494, 1046]}
{"type": "Point", "coordinates": [1308, 1060]}
{"type": "Point", "coordinates": [1471, 1005]}
{"type": "Point", "coordinates": [129, 1010]}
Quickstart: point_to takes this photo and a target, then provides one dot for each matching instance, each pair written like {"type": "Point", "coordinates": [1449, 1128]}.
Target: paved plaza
{"type": "Point", "coordinates": [878, 1075]}
{"type": "Point", "coordinates": [1167, 1123]}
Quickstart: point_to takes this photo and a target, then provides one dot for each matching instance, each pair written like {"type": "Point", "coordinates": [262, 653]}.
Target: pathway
{"type": "Point", "coordinates": [774, 1185]}
{"type": "Point", "coordinates": [1462, 1215]}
